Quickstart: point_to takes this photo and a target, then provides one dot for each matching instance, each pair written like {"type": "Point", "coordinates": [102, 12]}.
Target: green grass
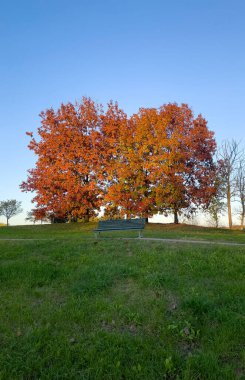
{"type": "Point", "coordinates": [85, 231]}
{"type": "Point", "coordinates": [76, 308]}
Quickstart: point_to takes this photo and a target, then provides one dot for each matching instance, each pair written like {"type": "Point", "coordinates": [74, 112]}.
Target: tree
{"type": "Point", "coordinates": [217, 206]}
{"type": "Point", "coordinates": [37, 215]}
{"type": "Point", "coordinates": [10, 208]}
{"type": "Point", "coordinates": [164, 163]}
{"type": "Point", "coordinates": [229, 156]}
{"type": "Point", "coordinates": [30, 217]}
{"type": "Point", "coordinates": [240, 186]}
{"type": "Point", "coordinates": [159, 160]}
{"type": "Point", "coordinates": [66, 177]}
{"type": "Point", "coordinates": [215, 209]}
{"type": "Point", "coordinates": [182, 165]}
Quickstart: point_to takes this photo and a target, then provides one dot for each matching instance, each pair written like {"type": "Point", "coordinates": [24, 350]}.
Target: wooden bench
{"type": "Point", "coordinates": [120, 225]}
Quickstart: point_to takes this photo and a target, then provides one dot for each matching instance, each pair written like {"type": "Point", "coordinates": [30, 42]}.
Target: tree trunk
{"type": "Point", "coordinates": [242, 216]}
{"type": "Point", "coordinates": [229, 205]}
{"type": "Point", "coordinates": [217, 223]}
{"type": "Point", "coordinates": [216, 219]}
{"type": "Point", "coordinates": [86, 218]}
{"type": "Point", "coordinates": [7, 221]}
{"type": "Point", "coordinates": [242, 221]}
{"type": "Point", "coordinates": [147, 219]}
{"type": "Point", "coordinates": [176, 219]}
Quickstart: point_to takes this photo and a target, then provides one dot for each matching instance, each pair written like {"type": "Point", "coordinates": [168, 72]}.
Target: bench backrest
{"type": "Point", "coordinates": [124, 224]}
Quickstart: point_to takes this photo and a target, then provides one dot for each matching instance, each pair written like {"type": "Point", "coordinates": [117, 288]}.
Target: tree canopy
{"type": "Point", "coordinates": [158, 160]}
{"type": "Point", "coordinates": [10, 208]}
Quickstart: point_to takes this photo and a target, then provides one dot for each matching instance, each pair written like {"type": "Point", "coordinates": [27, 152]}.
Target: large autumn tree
{"type": "Point", "coordinates": [158, 160]}
{"type": "Point", "coordinates": [182, 165]}
{"type": "Point", "coordinates": [65, 179]}
{"type": "Point", "coordinates": [163, 163]}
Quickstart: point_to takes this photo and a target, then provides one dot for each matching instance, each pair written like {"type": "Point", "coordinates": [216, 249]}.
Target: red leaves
{"type": "Point", "coordinates": [157, 160]}
{"type": "Point", "coordinates": [165, 162]}
{"type": "Point", "coordinates": [64, 178]}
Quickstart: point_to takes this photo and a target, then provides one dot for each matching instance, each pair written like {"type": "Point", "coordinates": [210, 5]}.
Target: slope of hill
{"type": "Point", "coordinates": [73, 307]}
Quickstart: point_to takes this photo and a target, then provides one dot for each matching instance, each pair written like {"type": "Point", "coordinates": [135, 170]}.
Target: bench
{"type": "Point", "coordinates": [121, 225]}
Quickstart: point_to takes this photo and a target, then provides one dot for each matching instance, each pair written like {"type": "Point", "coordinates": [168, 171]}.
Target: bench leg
{"type": "Point", "coordinates": [140, 234]}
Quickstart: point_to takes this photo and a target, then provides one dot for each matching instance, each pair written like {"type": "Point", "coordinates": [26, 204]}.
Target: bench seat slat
{"type": "Point", "coordinates": [119, 229]}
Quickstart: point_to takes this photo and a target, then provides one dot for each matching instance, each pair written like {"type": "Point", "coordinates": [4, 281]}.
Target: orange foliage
{"type": "Point", "coordinates": [159, 160]}
{"type": "Point", "coordinates": [65, 178]}
{"type": "Point", "coordinates": [166, 163]}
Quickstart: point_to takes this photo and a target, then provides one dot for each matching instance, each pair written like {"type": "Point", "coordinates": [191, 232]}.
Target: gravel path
{"type": "Point", "coordinates": [163, 240]}
{"type": "Point", "coordinates": [10, 239]}
{"type": "Point", "coordinates": [190, 241]}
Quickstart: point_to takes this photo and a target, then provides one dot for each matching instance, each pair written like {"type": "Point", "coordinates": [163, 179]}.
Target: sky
{"type": "Point", "coordinates": [140, 53]}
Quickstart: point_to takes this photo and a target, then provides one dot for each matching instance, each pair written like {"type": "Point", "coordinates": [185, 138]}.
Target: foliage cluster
{"type": "Point", "coordinates": [158, 160]}
{"type": "Point", "coordinates": [10, 208]}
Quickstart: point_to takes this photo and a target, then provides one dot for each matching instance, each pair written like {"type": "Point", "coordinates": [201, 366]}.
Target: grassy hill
{"type": "Point", "coordinates": [76, 308]}
{"type": "Point", "coordinates": [85, 231]}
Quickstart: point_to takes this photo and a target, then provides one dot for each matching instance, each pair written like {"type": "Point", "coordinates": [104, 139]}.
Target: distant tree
{"type": "Point", "coordinates": [240, 187]}
{"type": "Point", "coordinates": [229, 156]}
{"type": "Point", "coordinates": [10, 208]}
{"type": "Point", "coordinates": [217, 206]}
{"type": "Point", "coordinates": [215, 210]}
{"type": "Point", "coordinates": [36, 215]}
{"type": "Point", "coordinates": [30, 217]}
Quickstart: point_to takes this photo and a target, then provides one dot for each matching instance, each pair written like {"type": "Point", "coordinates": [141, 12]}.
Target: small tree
{"type": "Point", "coordinates": [36, 215]}
{"type": "Point", "coordinates": [240, 185]}
{"type": "Point", "coordinates": [30, 217]}
{"type": "Point", "coordinates": [10, 208]}
{"type": "Point", "coordinates": [217, 206]}
{"type": "Point", "coordinates": [215, 210]}
{"type": "Point", "coordinates": [229, 156]}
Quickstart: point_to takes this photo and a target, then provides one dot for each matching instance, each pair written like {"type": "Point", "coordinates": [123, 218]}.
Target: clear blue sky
{"type": "Point", "coordinates": [141, 53]}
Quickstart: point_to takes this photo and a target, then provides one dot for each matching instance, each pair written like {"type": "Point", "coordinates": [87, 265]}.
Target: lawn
{"type": "Point", "coordinates": [85, 231]}
{"type": "Point", "coordinates": [73, 307]}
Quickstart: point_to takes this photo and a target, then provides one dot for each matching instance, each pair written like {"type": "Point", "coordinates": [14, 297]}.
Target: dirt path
{"type": "Point", "coordinates": [21, 239]}
{"type": "Point", "coordinates": [163, 240]}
